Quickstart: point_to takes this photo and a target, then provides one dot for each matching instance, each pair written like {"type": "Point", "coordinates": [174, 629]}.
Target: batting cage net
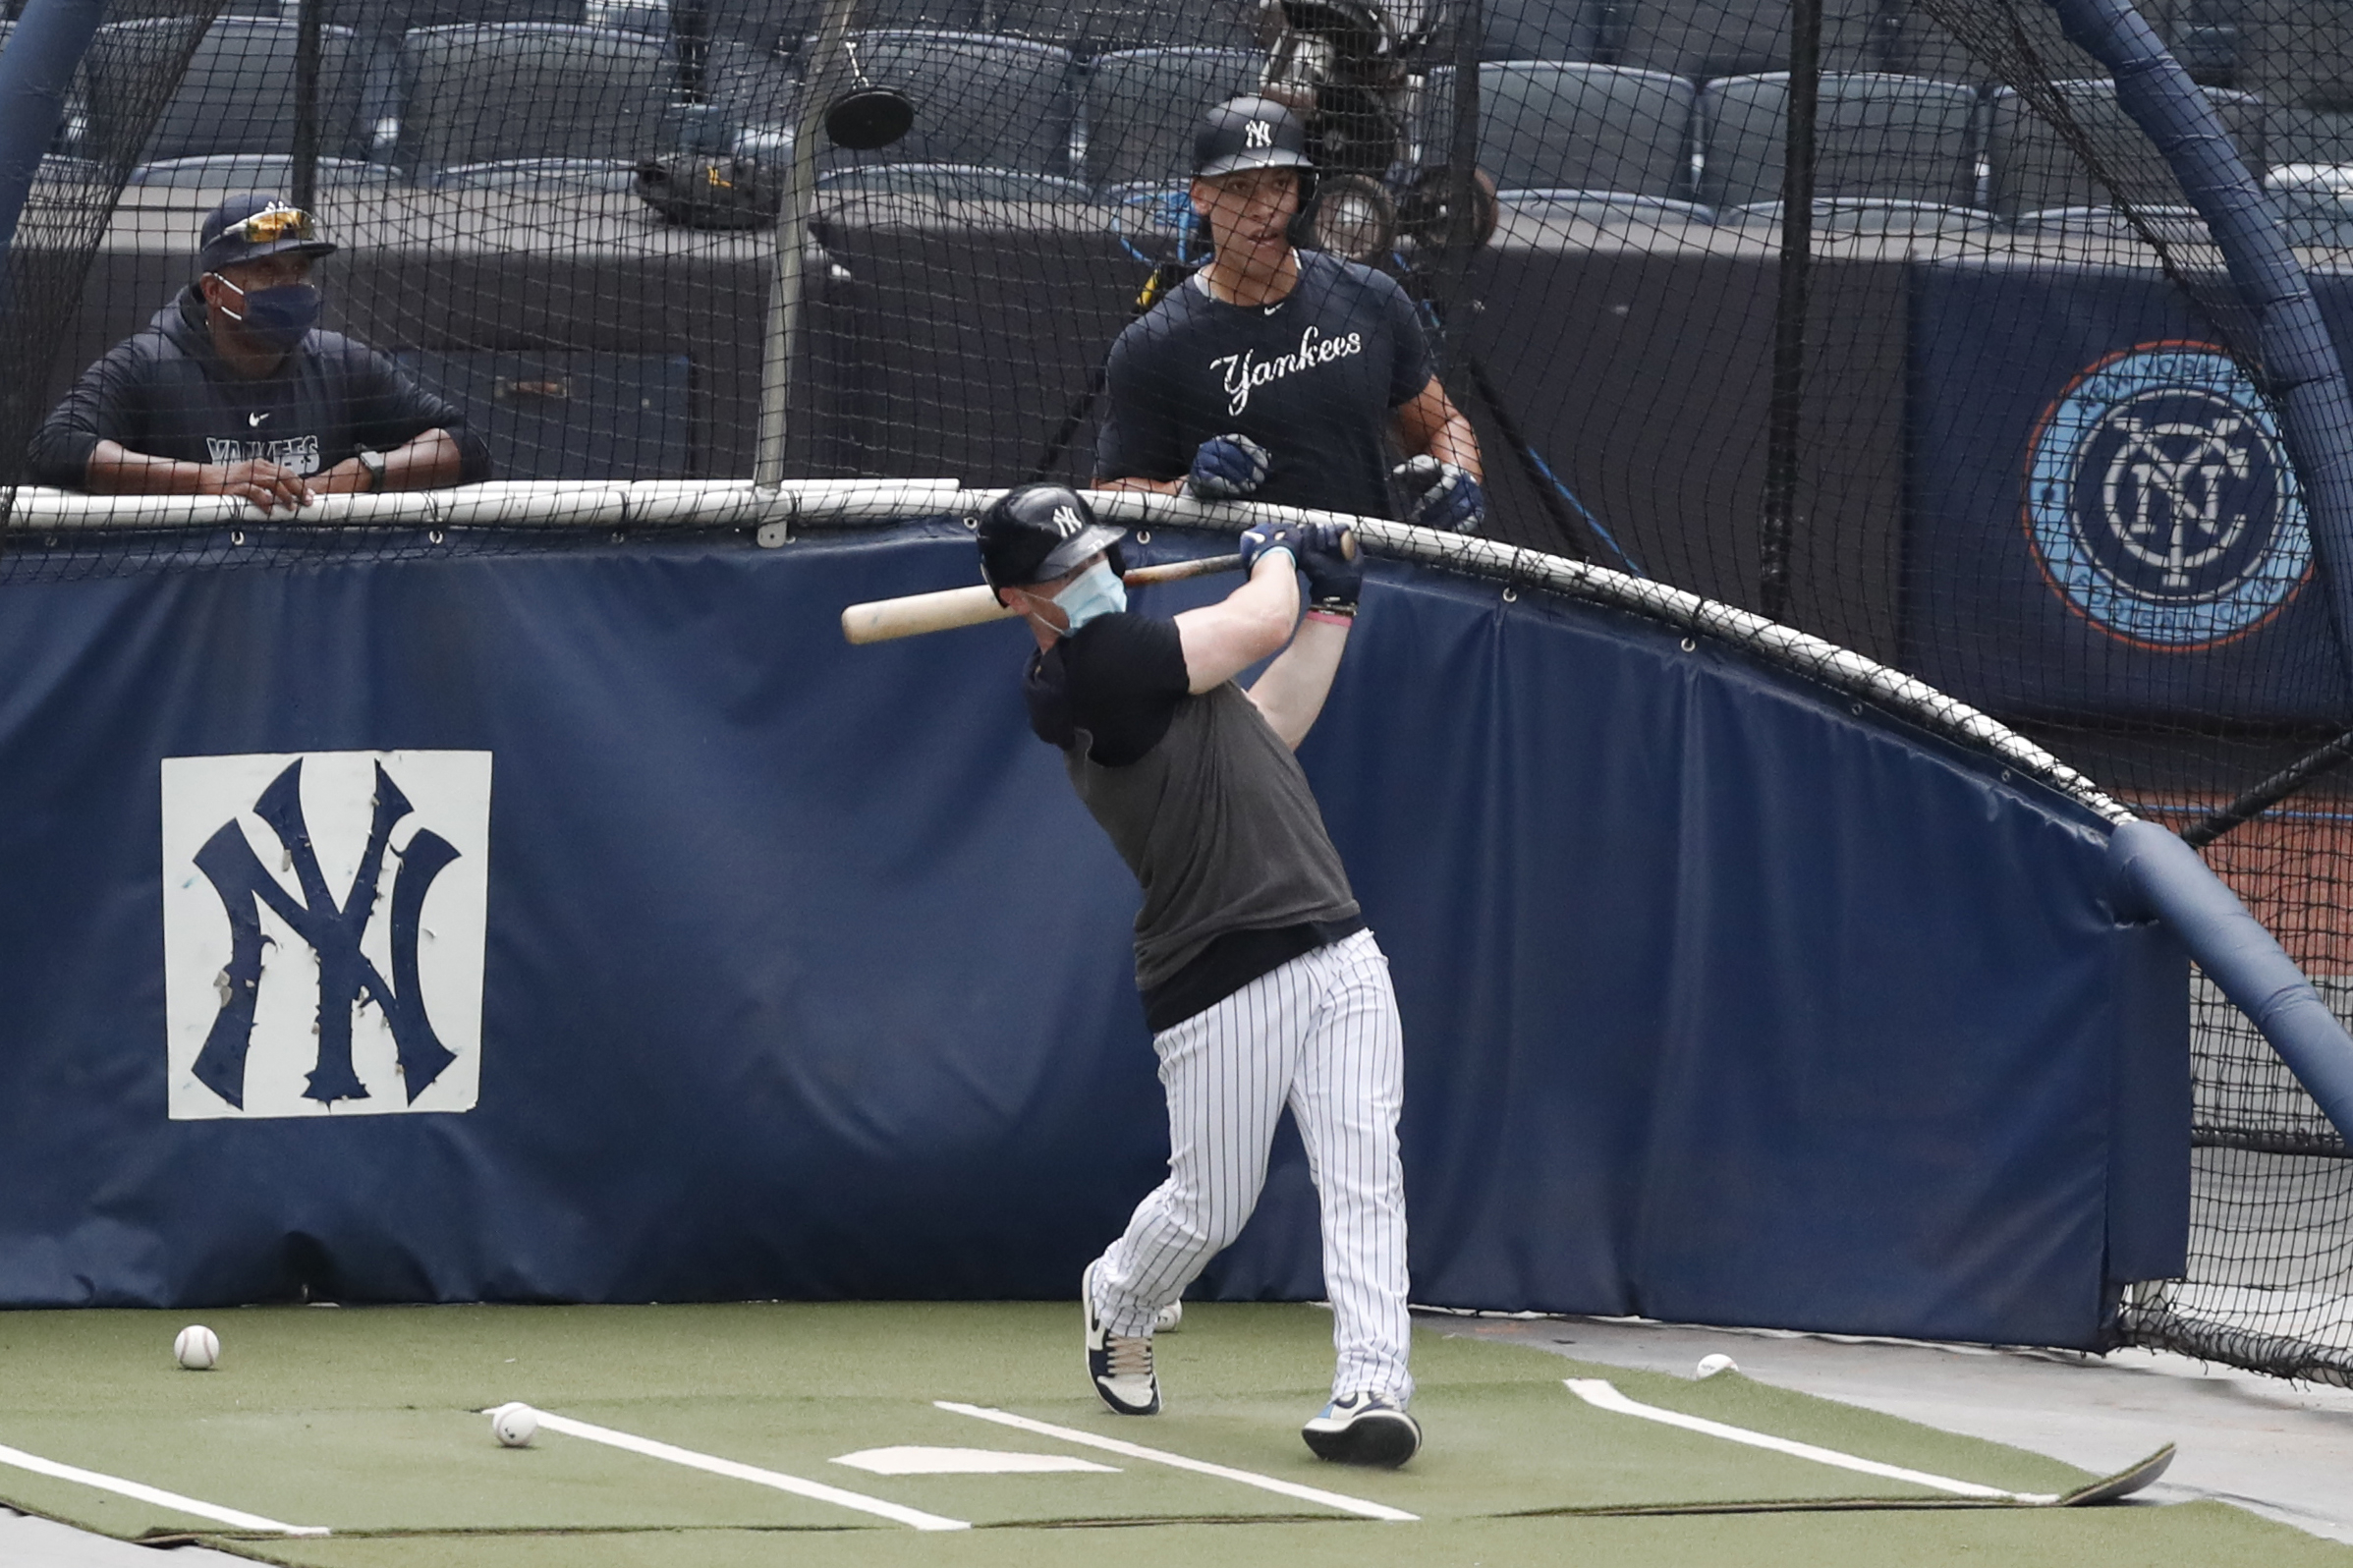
{"type": "Point", "coordinates": [1888, 321]}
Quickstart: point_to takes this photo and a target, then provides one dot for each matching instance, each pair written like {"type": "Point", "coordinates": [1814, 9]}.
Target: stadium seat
{"type": "Point", "coordinates": [2298, 52]}
{"type": "Point", "coordinates": [1563, 31]}
{"type": "Point", "coordinates": [2306, 135]}
{"type": "Point", "coordinates": [1917, 45]}
{"type": "Point", "coordinates": [2110, 226]}
{"type": "Point", "coordinates": [1605, 208]}
{"type": "Point", "coordinates": [251, 171]}
{"type": "Point", "coordinates": [781, 27]}
{"type": "Point", "coordinates": [1575, 126]}
{"type": "Point", "coordinates": [980, 100]}
{"type": "Point", "coordinates": [747, 85]}
{"type": "Point", "coordinates": [2033, 170]}
{"type": "Point", "coordinates": [236, 97]}
{"type": "Point", "coordinates": [392, 18]}
{"type": "Point", "coordinates": [1088, 28]}
{"type": "Point", "coordinates": [1846, 217]}
{"type": "Point", "coordinates": [1892, 139]}
{"type": "Point", "coordinates": [1141, 107]}
{"type": "Point", "coordinates": [524, 92]}
{"type": "Point", "coordinates": [1731, 38]}
{"type": "Point", "coordinates": [2316, 203]}
{"type": "Point", "coordinates": [952, 182]}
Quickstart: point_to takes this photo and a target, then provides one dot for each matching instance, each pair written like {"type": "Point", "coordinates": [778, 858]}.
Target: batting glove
{"type": "Point", "coordinates": [1335, 579]}
{"type": "Point", "coordinates": [1226, 467]}
{"type": "Point", "coordinates": [1443, 496]}
{"type": "Point", "coordinates": [1256, 541]}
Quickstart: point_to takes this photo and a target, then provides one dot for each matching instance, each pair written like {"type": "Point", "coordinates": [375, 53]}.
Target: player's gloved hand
{"type": "Point", "coordinates": [1441, 495]}
{"type": "Point", "coordinates": [1226, 467]}
{"type": "Point", "coordinates": [1336, 572]}
{"type": "Point", "coordinates": [1258, 540]}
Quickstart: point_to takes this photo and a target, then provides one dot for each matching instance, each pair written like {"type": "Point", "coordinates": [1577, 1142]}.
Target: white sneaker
{"type": "Point", "coordinates": [1363, 1429]}
{"type": "Point", "coordinates": [1120, 1366]}
{"type": "Point", "coordinates": [1171, 1318]}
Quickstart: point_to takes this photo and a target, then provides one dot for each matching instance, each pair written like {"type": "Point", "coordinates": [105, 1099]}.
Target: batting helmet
{"type": "Point", "coordinates": [1039, 531]}
{"type": "Point", "coordinates": [1249, 132]}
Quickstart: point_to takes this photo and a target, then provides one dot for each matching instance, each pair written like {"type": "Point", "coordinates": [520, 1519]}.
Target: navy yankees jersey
{"type": "Point", "coordinates": [1313, 379]}
{"type": "Point", "coordinates": [166, 393]}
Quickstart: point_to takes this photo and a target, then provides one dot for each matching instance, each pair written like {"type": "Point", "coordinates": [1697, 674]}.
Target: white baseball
{"type": "Point", "coordinates": [1709, 1366]}
{"type": "Point", "coordinates": [1169, 1318]}
{"type": "Point", "coordinates": [513, 1426]}
{"type": "Point", "coordinates": [197, 1348]}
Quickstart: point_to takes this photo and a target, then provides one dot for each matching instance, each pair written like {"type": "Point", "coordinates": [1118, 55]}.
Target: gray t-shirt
{"type": "Point", "coordinates": [1201, 796]}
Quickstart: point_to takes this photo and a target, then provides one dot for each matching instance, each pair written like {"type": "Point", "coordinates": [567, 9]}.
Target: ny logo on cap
{"type": "Point", "coordinates": [1261, 133]}
{"type": "Point", "coordinates": [1066, 522]}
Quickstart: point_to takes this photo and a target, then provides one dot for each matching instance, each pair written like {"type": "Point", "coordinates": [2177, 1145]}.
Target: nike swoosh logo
{"type": "Point", "coordinates": [254, 420]}
{"type": "Point", "coordinates": [1276, 306]}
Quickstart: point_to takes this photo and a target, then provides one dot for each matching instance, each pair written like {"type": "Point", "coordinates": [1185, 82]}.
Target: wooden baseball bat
{"type": "Point", "coordinates": [880, 620]}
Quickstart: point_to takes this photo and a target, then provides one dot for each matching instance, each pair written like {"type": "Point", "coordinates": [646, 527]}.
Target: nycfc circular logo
{"type": "Point", "coordinates": [2160, 501]}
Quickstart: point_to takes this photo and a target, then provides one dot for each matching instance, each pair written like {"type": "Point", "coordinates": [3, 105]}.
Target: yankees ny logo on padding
{"type": "Point", "coordinates": [324, 931]}
{"type": "Point", "coordinates": [1259, 133]}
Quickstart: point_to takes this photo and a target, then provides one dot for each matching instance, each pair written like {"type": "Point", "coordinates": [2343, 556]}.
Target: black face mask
{"type": "Point", "coordinates": [276, 318]}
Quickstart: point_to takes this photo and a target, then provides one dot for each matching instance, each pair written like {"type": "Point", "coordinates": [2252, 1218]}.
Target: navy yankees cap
{"type": "Point", "coordinates": [1249, 132]}
{"type": "Point", "coordinates": [254, 224]}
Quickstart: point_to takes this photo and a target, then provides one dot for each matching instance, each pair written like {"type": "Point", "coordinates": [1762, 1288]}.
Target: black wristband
{"type": "Point", "coordinates": [1331, 607]}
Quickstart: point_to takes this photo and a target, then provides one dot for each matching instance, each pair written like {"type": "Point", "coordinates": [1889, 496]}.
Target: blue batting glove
{"type": "Point", "coordinates": [1336, 575]}
{"type": "Point", "coordinates": [1441, 495]}
{"type": "Point", "coordinates": [1226, 467]}
{"type": "Point", "coordinates": [1256, 541]}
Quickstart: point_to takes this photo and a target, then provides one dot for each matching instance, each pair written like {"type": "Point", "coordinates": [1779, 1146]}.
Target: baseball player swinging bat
{"type": "Point", "coordinates": [881, 620]}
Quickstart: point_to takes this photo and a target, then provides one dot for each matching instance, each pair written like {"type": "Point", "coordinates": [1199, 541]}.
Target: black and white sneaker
{"type": "Point", "coordinates": [1364, 1429]}
{"type": "Point", "coordinates": [1120, 1366]}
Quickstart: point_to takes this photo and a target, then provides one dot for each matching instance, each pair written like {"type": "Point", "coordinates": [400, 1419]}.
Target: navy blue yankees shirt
{"type": "Point", "coordinates": [166, 393]}
{"type": "Point", "coordinates": [1313, 379]}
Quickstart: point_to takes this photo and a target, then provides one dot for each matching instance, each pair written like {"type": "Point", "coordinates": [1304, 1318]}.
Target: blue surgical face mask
{"type": "Point", "coordinates": [1097, 590]}
{"type": "Point", "coordinates": [276, 318]}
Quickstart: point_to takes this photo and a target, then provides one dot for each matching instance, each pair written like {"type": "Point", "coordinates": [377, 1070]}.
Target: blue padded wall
{"type": "Point", "coordinates": [806, 975]}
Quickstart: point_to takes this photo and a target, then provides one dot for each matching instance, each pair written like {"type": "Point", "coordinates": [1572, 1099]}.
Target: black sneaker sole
{"type": "Point", "coordinates": [1385, 1438]}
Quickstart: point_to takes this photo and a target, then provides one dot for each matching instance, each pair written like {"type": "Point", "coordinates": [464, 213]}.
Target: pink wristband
{"type": "Point", "coordinates": [1333, 617]}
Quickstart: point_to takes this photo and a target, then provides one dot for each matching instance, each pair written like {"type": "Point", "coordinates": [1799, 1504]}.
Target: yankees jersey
{"type": "Point", "coordinates": [166, 393]}
{"type": "Point", "coordinates": [1204, 803]}
{"type": "Point", "coordinates": [1313, 379]}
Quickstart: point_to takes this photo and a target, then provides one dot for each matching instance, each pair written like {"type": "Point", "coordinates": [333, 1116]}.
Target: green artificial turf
{"type": "Point", "coordinates": [365, 1421]}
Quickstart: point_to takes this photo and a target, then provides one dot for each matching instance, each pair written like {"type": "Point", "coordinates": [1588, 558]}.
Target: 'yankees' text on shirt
{"type": "Point", "coordinates": [1246, 369]}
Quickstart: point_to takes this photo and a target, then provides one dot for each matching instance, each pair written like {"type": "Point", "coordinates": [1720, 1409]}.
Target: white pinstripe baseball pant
{"type": "Point", "coordinates": [1322, 1035]}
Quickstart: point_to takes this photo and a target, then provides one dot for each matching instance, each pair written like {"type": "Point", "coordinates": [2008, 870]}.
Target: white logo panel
{"type": "Point", "coordinates": [324, 919]}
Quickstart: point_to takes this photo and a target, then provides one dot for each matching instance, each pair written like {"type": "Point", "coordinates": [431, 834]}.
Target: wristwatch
{"type": "Point", "coordinates": [373, 463]}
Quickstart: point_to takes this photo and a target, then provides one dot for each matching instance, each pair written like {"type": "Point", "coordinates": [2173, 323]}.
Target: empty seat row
{"type": "Point", "coordinates": [550, 96]}
{"type": "Point", "coordinates": [1608, 128]}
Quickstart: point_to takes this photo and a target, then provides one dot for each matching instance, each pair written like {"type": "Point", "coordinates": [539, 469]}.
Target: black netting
{"type": "Point", "coordinates": [1956, 377]}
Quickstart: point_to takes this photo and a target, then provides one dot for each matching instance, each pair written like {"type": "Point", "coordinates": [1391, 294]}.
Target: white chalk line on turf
{"type": "Point", "coordinates": [815, 1489]}
{"type": "Point", "coordinates": [152, 1494]}
{"type": "Point", "coordinates": [1603, 1395]}
{"type": "Point", "coordinates": [1288, 1489]}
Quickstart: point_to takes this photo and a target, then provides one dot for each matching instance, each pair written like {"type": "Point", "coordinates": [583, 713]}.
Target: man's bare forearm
{"type": "Point", "coordinates": [432, 461]}
{"type": "Point", "coordinates": [1291, 692]}
{"type": "Point", "coordinates": [115, 469]}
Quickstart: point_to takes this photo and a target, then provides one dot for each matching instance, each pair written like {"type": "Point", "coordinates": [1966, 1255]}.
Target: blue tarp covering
{"type": "Point", "coordinates": [805, 975]}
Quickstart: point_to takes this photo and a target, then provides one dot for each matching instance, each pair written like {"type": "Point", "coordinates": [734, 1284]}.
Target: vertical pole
{"type": "Point", "coordinates": [1789, 314]}
{"type": "Point", "coordinates": [36, 69]}
{"type": "Point", "coordinates": [788, 285]}
{"type": "Point", "coordinates": [305, 104]}
{"type": "Point", "coordinates": [1462, 186]}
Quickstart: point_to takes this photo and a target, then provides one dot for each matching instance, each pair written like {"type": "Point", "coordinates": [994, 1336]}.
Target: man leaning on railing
{"type": "Point", "coordinates": [233, 390]}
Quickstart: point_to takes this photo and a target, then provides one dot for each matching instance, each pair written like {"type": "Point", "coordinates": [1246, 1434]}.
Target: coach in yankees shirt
{"type": "Point", "coordinates": [232, 389]}
{"type": "Point", "coordinates": [1275, 374]}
